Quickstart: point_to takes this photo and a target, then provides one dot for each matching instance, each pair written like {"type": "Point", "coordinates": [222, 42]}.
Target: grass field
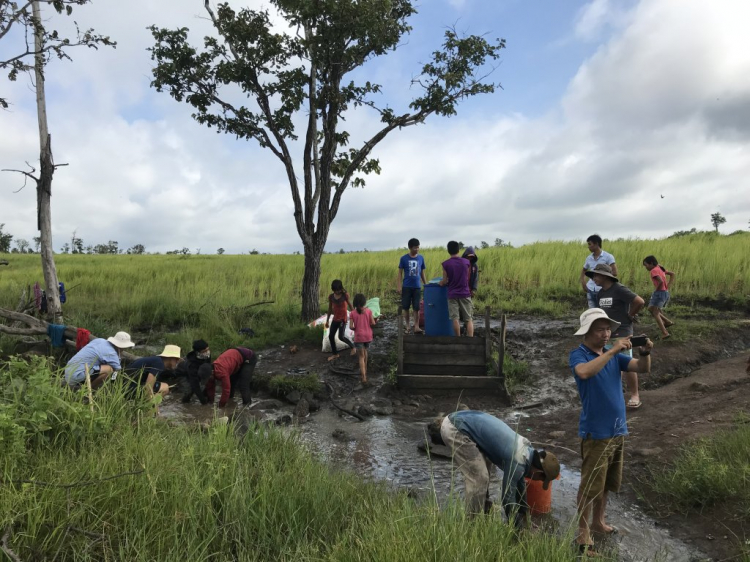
{"type": "Point", "coordinates": [209, 296]}
{"type": "Point", "coordinates": [114, 483]}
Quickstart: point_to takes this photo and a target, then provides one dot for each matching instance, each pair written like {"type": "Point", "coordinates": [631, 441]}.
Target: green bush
{"type": "Point", "coordinates": [281, 385]}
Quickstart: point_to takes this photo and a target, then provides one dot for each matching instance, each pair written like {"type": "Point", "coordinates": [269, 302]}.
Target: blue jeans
{"type": "Point", "coordinates": [659, 299]}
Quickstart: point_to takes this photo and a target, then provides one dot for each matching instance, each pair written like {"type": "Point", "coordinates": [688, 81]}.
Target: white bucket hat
{"type": "Point", "coordinates": [171, 351]}
{"type": "Point", "coordinates": [592, 315]}
{"type": "Point", "coordinates": [121, 340]}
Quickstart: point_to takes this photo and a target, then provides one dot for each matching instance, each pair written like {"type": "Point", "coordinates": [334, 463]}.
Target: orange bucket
{"type": "Point", "coordinates": [540, 500]}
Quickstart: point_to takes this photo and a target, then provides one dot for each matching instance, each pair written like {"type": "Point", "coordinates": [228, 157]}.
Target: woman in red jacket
{"type": "Point", "coordinates": [232, 369]}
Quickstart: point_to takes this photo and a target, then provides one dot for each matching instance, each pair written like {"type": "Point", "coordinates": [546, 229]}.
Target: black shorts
{"type": "Point", "coordinates": [410, 297]}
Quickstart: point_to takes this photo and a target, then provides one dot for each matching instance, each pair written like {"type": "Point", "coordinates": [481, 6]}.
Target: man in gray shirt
{"type": "Point", "coordinates": [621, 304]}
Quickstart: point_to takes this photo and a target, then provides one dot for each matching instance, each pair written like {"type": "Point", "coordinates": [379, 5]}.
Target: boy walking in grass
{"type": "Point", "coordinates": [602, 426]}
{"type": "Point", "coordinates": [456, 273]}
{"type": "Point", "coordinates": [411, 277]}
{"type": "Point", "coordinates": [596, 257]}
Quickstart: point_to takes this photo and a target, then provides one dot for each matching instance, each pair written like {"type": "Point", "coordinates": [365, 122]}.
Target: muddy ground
{"type": "Point", "coordinates": [695, 388]}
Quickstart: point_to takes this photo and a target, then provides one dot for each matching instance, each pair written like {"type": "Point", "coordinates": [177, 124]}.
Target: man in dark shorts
{"type": "Point", "coordinates": [602, 426]}
{"type": "Point", "coordinates": [620, 304]}
{"type": "Point", "coordinates": [411, 276]}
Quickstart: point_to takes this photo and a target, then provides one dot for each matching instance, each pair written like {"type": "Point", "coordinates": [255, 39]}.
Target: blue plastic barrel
{"type": "Point", "coordinates": [436, 320]}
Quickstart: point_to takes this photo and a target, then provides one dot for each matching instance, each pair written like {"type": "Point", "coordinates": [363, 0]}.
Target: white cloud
{"type": "Point", "coordinates": [661, 108]}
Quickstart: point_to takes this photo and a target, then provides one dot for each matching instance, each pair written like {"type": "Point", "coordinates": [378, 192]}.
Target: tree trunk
{"type": "Point", "coordinates": [44, 185]}
{"type": "Point", "coordinates": [311, 282]}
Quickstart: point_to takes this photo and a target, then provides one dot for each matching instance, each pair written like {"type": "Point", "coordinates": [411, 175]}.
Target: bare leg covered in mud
{"type": "Point", "coordinates": [362, 352]}
{"type": "Point", "coordinates": [598, 525]}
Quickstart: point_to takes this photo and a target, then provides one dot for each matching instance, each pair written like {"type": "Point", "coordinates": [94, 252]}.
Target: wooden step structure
{"type": "Point", "coordinates": [448, 363]}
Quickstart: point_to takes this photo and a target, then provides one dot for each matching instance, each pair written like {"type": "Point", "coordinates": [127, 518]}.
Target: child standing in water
{"type": "Point", "coordinates": [660, 296]}
{"type": "Point", "coordinates": [338, 305]}
{"type": "Point", "coordinates": [362, 323]}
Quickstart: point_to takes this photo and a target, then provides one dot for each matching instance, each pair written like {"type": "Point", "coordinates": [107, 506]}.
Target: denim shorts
{"type": "Point", "coordinates": [362, 344]}
{"type": "Point", "coordinates": [591, 299]}
{"type": "Point", "coordinates": [410, 297]}
{"type": "Point", "coordinates": [659, 299]}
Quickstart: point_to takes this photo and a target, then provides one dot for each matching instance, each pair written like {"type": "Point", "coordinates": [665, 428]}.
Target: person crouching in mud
{"type": "Point", "coordinates": [479, 440]}
{"type": "Point", "coordinates": [233, 370]}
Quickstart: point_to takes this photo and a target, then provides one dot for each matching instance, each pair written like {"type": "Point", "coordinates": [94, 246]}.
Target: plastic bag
{"type": "Point", "coordinates": [340, 346]}
{"type": "Point", "coordinates": [374, 305]}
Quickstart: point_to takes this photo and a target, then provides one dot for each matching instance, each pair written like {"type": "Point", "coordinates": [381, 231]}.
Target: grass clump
{"type": "Point", "coordinates": [711, 471]}
{"type": "Point", "coordinates": [281, 385]}
{"type": "Point", "coordinates": [145, 490]}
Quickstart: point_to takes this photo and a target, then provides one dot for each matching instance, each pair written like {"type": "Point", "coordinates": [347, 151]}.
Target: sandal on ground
{"type": "Point", "coordinates": [418, 332]}
{"type": "Point", "coordinates": [669, 325]}
{"type": "Point", "coordinates": [333, 357]}
{"type": "Point", "coordinates": [666, 337]}
{"type": "Point", "coordinates": [634, 404]}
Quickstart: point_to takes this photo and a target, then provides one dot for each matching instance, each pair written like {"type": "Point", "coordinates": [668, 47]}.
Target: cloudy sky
{"type": "Point", "coordinates": [626, 118]}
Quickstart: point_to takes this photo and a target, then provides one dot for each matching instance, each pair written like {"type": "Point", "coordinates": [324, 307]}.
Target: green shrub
{"type": "Point", "coordinates": [281, 385]}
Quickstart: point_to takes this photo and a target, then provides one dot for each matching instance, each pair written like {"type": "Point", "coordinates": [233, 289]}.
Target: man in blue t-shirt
{"type": "Point", "coordinates": [602, 426]}
{"type": "Point", "coordinates": [411, 276]}
{"type": "Point", "coordinates": [479, 440]}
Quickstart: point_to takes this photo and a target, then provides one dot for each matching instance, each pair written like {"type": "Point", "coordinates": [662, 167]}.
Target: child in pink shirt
{"type": "Point", "coordinates": [660, 296]}
{"type": "Point", "coordinates": [362, 322]}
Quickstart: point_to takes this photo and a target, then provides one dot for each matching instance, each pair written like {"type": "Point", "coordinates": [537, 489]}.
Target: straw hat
{"type": "Point", "coordinates": [171, 351]}
{"type": "Point", "coordinates": [121, 340]}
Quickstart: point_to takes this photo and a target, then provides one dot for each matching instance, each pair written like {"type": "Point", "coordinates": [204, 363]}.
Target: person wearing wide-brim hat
{"type": "Point", "coordinates": [620, 304]}
{"type": "Point", "coordinates": [146, 371]}
{"type": "Point", "coordinates": [602, 426]}
{"type": "Point", "coordinates": [100, 357]}
{"type": "Point", "coordinates": [478, 441]}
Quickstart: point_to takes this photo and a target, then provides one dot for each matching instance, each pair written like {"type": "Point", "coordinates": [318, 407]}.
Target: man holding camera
{"type": "Point", "coordinates": [602, 426]}
{"type": "Point", "coordinates": [620, 304]}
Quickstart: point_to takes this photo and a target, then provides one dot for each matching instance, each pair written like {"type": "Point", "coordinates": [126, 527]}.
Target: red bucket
{"type": "Point", "coordinates": [540, 500]}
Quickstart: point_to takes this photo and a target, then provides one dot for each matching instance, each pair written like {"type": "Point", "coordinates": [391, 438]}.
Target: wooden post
{"type": "Point", "coordinates": [501, 349]}
{"type": "Point", "coordinates": [487, 338]}
{"type": "Point", "coordinates": [400, 369]}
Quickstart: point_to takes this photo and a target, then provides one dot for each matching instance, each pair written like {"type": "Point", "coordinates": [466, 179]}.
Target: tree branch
{"type": "Point", "coordinates": [6, 549]}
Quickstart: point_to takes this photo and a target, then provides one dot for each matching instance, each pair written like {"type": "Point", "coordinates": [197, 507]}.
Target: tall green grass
{"type": "Point", "coordinates": [208, 296]}
{"type": "Point", "coordinates": [144, 490]}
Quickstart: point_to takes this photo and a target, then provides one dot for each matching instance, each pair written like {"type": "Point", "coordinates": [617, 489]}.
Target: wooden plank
{"type": "Point", "coordinates": [400, 350]}
{"type": "Point", "coordinates": [487, 335]}
{"type": "Point", "coordinates": [437, 341]}
{"type": "Point", "coordinates": [427, 382]}
{"type": "Point", "coordinates": [455, 370]}
{"type": "Point", "coordinates": [443, 349]}
{"type": "Point", "coordinates": [443, 359]}
{"type": "Point", "coordinates": [501, 348]}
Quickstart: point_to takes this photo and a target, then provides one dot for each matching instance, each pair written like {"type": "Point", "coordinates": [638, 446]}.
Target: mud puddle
{"type": "Point", "coordinates": [386, 449]}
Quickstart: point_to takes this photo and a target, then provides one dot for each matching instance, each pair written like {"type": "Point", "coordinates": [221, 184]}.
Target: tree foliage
{"type": "Point", "coordinates": [17, 15]}
{"type": "Point", "coordinates": [304, 76]}
{"type": "Point", "coordinates": [717, 219]}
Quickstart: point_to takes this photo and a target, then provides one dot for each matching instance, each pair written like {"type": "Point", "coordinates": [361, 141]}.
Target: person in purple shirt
{"type": "Point", "coordinates": [456, 272]}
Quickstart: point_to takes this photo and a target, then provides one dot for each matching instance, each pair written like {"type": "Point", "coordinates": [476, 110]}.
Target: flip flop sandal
{"type": "Point", "coordinates": [633, 405]}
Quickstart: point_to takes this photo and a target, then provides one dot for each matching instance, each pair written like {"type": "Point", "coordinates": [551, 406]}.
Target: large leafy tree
{"type": "Point", "coordinates": [302, 74]}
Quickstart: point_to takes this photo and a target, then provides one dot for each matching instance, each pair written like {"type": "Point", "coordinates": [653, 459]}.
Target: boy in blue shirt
{"type": "Point", "coordinates": [411, 276]}
{"type": "Point", "coordinates": [602, 426]}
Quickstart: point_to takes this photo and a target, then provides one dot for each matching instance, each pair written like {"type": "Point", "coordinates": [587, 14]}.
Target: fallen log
{"type": "Point", "coordinates": [37, 327]}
